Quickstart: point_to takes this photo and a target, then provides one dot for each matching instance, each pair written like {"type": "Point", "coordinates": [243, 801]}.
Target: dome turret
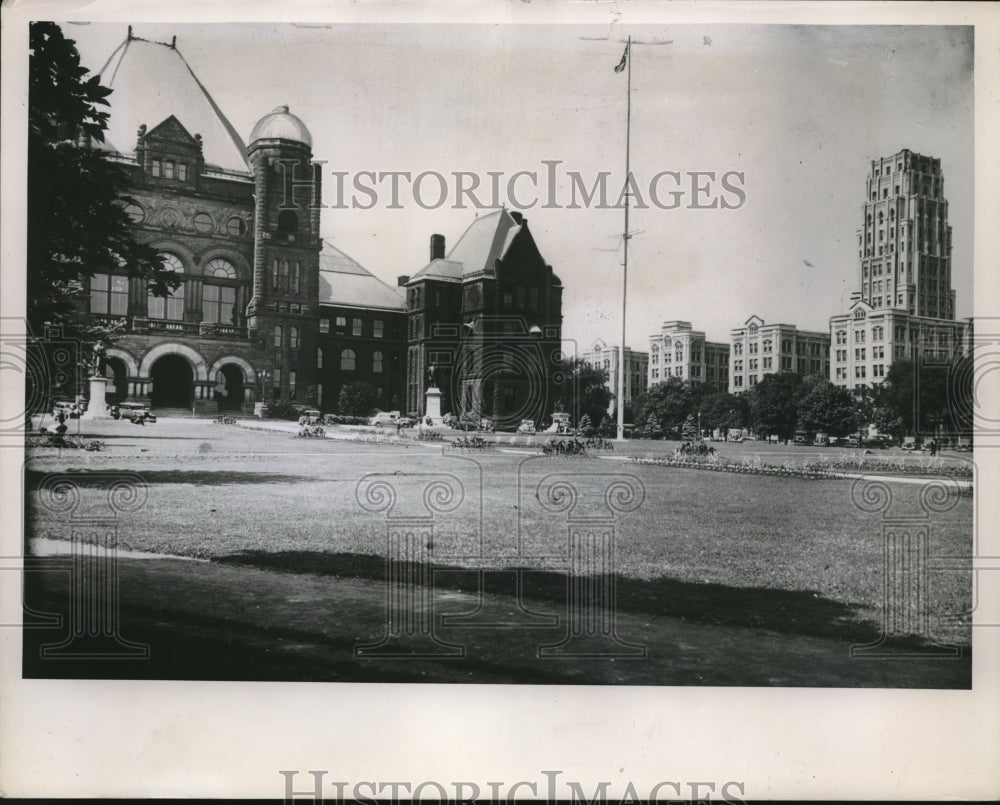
{"type": "Point", "coordinates": [281, 125]}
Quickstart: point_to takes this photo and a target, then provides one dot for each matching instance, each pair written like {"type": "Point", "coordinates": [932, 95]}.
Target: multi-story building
{"type": "Point", "coordinates": [759, 349]}
{"type": "Point", "coordinates": [679, 351]}
{"type": "Point", "coordinates": [484, 324]}
{"type": "Point", "coordinates": [905, 305]}
{"type": "Point", "coordinates": [241, 225]}
{"type": "Point", "coordinates": [362, 328]}
{"type": "Point", "coordinates": [601, 356]}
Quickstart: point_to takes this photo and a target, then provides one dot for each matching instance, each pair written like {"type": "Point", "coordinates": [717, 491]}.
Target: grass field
{"type": "Point", "coordinates": [778, 552]}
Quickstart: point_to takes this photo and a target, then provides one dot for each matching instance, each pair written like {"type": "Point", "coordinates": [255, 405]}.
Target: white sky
{"type": "Point", "coordinates": [799, 110]}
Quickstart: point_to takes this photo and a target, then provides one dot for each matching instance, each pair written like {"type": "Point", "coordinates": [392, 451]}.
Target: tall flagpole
{"type": "Point", "coordinates": [625, 236]}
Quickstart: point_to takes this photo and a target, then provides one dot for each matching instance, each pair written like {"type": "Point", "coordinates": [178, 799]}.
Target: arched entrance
{"type": "Point", "coordinates": [116, 389]}
{"type": "Point", "coordinates": [229, 382]}
{"type": "Point", "coordinates": [173, 382]}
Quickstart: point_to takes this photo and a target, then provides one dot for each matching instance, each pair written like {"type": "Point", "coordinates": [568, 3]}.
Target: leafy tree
{"type": "Point", "coordinates": [607, 427]}
{"type": "Point", "coordinates": [590, 387]}
{"type": "Point", "coordinates": [652, 429]}
{"type": "Point", "coordinates": [923, 397]}
{"type": "Point", "coordinates": [774, 404]}
{"type": "Point", "coordinates": [669, 403]}
{"type": "Point", "coordinates": [357, 398]}
{"type": "Point", "coordinates": [826, 407]}
{"type": "Point", "coordinates": [723, 411]}
{"type": "Point", "coordinates": [586, 426]}
{"type": "Point", "coordinates": [77, 223]}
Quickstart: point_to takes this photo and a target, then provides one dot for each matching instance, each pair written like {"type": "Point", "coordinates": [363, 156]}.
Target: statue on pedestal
{"type": "Point", "coordinates": [99, 363]}
{"type": "Point", "coordinates": [431, 376]}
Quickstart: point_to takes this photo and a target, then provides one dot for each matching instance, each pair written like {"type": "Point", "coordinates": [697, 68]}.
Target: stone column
{"type": "Point", "coordinates": [97, 406]}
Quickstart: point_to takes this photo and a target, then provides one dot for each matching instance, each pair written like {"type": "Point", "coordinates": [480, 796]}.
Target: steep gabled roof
{"type": "Point", "coordinates": [487, 240]}
{"type": "Point", "coordinates": [343, 281]}
{"type": "Point", "coordinates": [151, 81]}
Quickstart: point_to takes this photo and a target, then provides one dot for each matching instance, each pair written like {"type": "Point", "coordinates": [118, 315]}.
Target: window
{"type": "Point", "coordinates": [859, 372]}
{"type": "Point", "coordinates": [377, 362]}
{"type": "Point", "coordinates": [236, 227]}
{"type": "Point", "coordinates": [767, 363]}
{"type": "Point", "coordinates": [168, 169]}
{"type": "Point", "coordinates": [274, 274]}
{"type": "Point", "coordinates": [295, 277]}
{"type": "Point", "coordinates": [182, 171]}
{"type": "Point", "coordinates": [278, 335]}
{"type": "Point", "coordinates": [859, 354]}
{"type": "Point", "coordinates": [767, 345]}
{"type": "Point", "coordinates": [324, 325]}
{"type": "Point", "coordinates": [738, 380]}
{"type": "Point", "coordinates": [136, 213]}
{"type": "Point", "coordinates": [319, 358]}
{"type": "Point", "coordinates": [218, 304]}
{"type": "Point", "coordinates": [109, 295]}
{"type": "Point", "coordinates": [348, 360]}
{"type": "Point", "coordinates": [841, 336]}
{"type": "Point", "coordinates": [155, 167]}
{"type": "Point", "coordinates": [753, 380]}
{"type": "Point", "coordinates": [508, 299]}
{"type": "Point", "coordinates": [356, 327]}
{"type": "Point", "coordinates": [291, 384]}
{"type": "Point", "coordinates": [293, 338]}
{"type": "Point", "coordinates": [341, 322]}
{"type": "Point", "coordinates": [753, 348]}
{"type": "Point", "coordinates": [377, 328]}
{"type": "Point", "coordinates": [276, 381]}
{"type": "Point", "coordinates": [171, 307]}
{"type": "Point", "coordinates": [737, 349]}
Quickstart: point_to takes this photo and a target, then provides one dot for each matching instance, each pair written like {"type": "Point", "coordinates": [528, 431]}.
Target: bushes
{"type": "Point", "coordinates": [283, 410]}
{"type": "Point", "coordinates": [430, 436]}
{"type": "Point", "coordinates": [312, 432]}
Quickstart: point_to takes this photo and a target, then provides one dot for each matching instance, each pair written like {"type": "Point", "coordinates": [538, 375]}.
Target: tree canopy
{"type": "Point", "coordinates": [77, 224]}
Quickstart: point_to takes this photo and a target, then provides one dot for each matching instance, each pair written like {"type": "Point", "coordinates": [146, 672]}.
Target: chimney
{"type": "Point", "coordinates": [437, 247]}
{"type": "Point", "coordinates": [402, 279]}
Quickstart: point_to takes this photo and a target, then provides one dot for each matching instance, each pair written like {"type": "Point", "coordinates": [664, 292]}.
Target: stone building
{"type": "Point", "coordinates": [759, 349]}
{"type": "Point", "coordinates": [601, 356]}
{"type": "Point", "coordinates": [905, 305]}
{"type": "Point", "coordinates": [484, 324]}
{"type": "Point", "coordinates": [257, 317]}
{"type": "Point", "coordinates": [679, 351]}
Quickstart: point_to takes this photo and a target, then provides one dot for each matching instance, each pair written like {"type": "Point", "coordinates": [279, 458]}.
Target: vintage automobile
{"type": "Point", "coordinates": [136, 412]}
{"type": "Point", "coordinates": [406, 422]}
{"type": "Point", "coordinates": [526, 426]}
{"type": "Point", "coordinates": [384, 418]}
{"type": "Point", "coordinates": [909, 443]}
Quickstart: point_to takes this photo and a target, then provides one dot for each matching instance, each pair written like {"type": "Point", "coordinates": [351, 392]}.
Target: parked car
{"type": "Point", "coordinates": [834, 441]}
{"type": "Point", "coordinates": [854, 440]}
{"type": "Point", "coordinates": [526, 426]}
{"type": "Point", "coordinates": [801, 438]}
{"type": "Point", "coordinates": [878, 440]}
{"type": "Point", "coordinates": [136, 412]}
{"type": "Point", "coordinates": [820, 440]}
{"type": "Point", "coordinates": [383, 418]}
{"type": "Point", "coordinates": [406, 422]}
{"type": "Point", "coordinates": [909, 443]}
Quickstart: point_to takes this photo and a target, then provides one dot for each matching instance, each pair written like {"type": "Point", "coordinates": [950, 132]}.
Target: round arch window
{"type": "Point", "coordinates": [203, 222]}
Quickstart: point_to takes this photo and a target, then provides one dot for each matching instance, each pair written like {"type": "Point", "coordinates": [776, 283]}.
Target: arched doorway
{"type": "Point", "coordinates": [229, 382]}
{"type": "Point", "coordinates": [116, 389]}
{"type": "Point", "coordinates": [173, 382]}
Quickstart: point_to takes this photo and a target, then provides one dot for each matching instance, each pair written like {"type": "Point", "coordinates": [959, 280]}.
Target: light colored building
{"type": "Point", "coordinates": [759, 349]}
{"type": "Point", "coordinates": [601, 356]}
{"type": "Point", "coordinates": [866, 341]}
{"type": "Point", "coordinates": [680, 351]}
{"type": "Point", "coordinates": [905, 305]}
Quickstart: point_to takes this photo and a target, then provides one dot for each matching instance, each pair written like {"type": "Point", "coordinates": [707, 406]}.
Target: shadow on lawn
{"type": "Point", "coordinates": [87, 480]}
{"type": "Point", "coordinates": [801, 612]}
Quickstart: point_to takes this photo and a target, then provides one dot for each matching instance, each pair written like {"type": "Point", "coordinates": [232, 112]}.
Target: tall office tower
{"type": "Point", "coordinates": [905, 242]}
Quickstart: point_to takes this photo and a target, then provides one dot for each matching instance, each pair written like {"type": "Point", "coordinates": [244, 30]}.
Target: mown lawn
{"type": "Point", "coordinates": [224, 493]}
